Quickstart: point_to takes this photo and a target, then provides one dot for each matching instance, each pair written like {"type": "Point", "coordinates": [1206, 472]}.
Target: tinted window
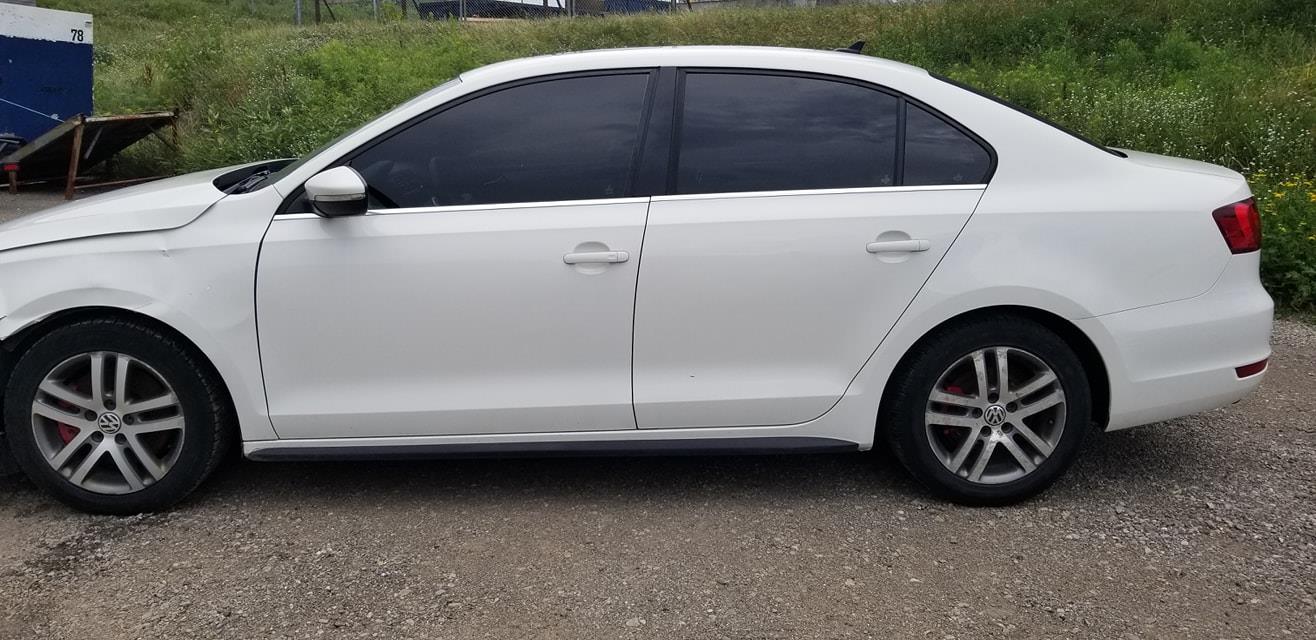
{"type": "Point", "coordinates": [743, 132]}
{"type": "Point", "coordinates": [567, 139]}
{"type": "Point", "coordinates": [938, 153]}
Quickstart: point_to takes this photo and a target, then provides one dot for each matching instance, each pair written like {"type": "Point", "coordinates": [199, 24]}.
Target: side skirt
{"type": "Point", "coordinates": [694, 446]}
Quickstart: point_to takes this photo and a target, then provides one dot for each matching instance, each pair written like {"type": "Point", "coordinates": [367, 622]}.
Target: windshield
{"type": "Point", "coordinates": [295, 165]}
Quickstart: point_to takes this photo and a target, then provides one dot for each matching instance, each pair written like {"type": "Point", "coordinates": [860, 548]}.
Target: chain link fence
{"type": "Point", "coordinates": [517, 9]}
{"type": "Point", "coordinates": [476, 10]}
{"type": "Point", "coordinates": [316, 11]}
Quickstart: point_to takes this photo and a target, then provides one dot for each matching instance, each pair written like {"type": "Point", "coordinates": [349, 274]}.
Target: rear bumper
{"type": "Point", "coordinates": [1179, 358]}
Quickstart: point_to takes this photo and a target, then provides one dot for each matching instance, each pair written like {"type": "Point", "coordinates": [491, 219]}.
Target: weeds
{"type": "Point", "coordinates": [1226, 81]}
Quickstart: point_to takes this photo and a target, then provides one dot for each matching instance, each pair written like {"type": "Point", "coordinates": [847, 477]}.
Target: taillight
{"type": "Point", "coordinates": [1240, 224]}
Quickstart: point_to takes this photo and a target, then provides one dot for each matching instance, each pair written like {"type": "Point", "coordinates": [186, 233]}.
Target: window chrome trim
{"type": "Point", "coordinates": [642, 199]}
{"type": "Point", "coordinates": [818, 192]}
{"type": "Point", "coordinates": [480, 207]}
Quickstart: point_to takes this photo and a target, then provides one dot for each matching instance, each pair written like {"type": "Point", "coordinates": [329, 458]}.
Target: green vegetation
{"type": "Point", "coordinates": [1227, 81]}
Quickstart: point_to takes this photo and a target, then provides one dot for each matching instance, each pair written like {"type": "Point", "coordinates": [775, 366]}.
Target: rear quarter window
{"type": "Point", "coordinates": [936, 152]}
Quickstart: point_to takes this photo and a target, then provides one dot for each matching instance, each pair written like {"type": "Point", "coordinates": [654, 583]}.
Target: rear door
{"type": "Point", "coordinates": [805, 213]}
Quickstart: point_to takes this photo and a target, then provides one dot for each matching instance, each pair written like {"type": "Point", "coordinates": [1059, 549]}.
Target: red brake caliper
{"type": "Point", "coordinates": [67, 431]}
{"type": "Point", "coordinates": [959, 391]}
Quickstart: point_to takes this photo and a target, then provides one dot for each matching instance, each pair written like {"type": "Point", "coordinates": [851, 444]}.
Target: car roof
{"type": "Point", "coordinates": [686, 56]}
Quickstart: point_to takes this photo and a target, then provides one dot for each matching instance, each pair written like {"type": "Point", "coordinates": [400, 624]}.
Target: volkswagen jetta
{"type": "Point", "coordinates": [688, 249]}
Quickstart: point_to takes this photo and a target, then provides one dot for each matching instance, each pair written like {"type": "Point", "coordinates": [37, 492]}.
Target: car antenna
{"type": "Point", "coordinates": [857, 47]}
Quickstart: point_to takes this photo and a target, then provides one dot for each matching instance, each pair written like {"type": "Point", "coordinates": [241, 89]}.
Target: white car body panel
{"type": "Point", "coordinates": [196, 279]}
{"type": "Point", "coordinates": [1178, 358]}
{"type": "Point", "coordinates": [465, 317]}
{"type": "Point", "coordinates": [760, 308]}
{"type": "Point", "coordinates": [1122, 249]}
{"type": "Point", "coordinates": [164, 204]}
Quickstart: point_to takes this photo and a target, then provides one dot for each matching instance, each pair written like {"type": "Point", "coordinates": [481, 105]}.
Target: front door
{"type": "Point", "coordinates": [489, 290]}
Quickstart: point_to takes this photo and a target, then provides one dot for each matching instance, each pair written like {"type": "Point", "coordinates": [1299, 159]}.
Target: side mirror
{"type": "Point", "coordinates": [340, 191]}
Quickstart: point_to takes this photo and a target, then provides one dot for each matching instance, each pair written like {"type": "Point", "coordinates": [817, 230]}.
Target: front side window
{"type": "Point", "coordinates": [562, 139]}
{"type": "Point", "coordinates": [752, 132]}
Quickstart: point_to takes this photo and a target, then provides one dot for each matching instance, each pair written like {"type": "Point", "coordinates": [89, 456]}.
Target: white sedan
{"type": "Point", "coordinates": [686, 249]}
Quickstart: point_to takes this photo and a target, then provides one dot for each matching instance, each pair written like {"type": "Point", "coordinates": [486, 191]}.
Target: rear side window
{"type": "Point", "coordinates": [564, 139]}
{"type": "Point", "coordinates": [938, 153]}
{"type": "Point", "coordinates": [750, 132]}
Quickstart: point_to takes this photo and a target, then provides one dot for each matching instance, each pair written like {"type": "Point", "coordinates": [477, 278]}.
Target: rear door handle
{"type": "Point", "coordinates": [898, 246]}
{"type": "Point", "coordinates": [592, 257]}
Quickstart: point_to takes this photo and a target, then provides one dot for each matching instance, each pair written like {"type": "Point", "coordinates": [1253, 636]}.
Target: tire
{"type": "Point", "coordinates": [942, 443]}
{"type": "Point", "coordinates": [155, 437]}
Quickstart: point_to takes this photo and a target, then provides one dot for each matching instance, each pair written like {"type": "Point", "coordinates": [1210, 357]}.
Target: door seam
{"type": "Point", "coordinates": [900, 317]}
{"type": "Point", "coordinates": [635, 306]}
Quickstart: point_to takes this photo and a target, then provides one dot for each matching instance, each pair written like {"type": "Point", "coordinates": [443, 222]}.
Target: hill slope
{"type": "Point", "coordinates": [1226, 81]}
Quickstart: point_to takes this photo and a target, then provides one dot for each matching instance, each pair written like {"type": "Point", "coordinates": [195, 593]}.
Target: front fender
{"type": "Point", "coordinates": [199, 280]}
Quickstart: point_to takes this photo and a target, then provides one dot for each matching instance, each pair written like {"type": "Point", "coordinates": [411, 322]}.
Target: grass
{"type": "Point", "coordinates": [1227, 81]}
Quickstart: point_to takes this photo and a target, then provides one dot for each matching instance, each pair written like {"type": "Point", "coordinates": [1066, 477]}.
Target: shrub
{"type": "Point", "coordinates": [1225, 81]}
{"type": "Point", "coordinates": [1288, 255]}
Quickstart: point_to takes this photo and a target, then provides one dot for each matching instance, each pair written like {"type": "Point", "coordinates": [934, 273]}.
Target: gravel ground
{"type": "Point", "coordinates": [1203, 527]}
{"type": "Point", "coordinates": [31, 200]}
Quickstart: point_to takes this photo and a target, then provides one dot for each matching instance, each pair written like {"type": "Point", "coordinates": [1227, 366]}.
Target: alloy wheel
{"type": "Point", "coordinates": [107, 422]}
{"type": "Point", "coordinates": [995, 415]}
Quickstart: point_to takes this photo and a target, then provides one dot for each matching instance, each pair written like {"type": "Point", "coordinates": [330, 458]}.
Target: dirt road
{"type": "Point", "coordinates": [1203, 527]}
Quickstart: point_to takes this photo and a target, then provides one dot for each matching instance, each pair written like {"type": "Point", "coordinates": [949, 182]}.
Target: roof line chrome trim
{"type": "Point", "coordinates": [819, 192]}
{"type": "Point", "coordinates": [482, 207]}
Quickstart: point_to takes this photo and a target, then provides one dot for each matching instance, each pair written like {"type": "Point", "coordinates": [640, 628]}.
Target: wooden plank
{"type": "Point", "coordinates": [74, 156]}
{"type": "Point", "coordinates": [117, 183]}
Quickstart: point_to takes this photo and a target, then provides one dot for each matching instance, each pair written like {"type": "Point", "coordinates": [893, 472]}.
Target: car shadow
{"type": "Point", "coordinates": [582, 479]}
{"type": "Point", "coordinates": [1167, 452]}
{"type": "Point", "coordinates": [1126, 458]}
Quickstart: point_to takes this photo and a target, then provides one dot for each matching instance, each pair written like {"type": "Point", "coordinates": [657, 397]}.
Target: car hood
{"type": "Point", "coordinates": [154, 206]}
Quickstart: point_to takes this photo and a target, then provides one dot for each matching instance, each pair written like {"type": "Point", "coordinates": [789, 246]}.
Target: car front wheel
{"type": "Point", "coordinates": [113, 416]}
{"type": "Point", "coordinates": [990, 411]}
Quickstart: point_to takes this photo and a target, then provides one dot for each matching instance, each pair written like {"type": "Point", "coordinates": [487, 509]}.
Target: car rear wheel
{"type": "Point", "coordinates": [990, 411]}
{"type": "Point", "coordinates": [113, 416]}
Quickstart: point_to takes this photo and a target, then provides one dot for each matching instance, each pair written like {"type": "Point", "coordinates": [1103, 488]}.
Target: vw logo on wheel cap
{"type": "Point", "coordinates": [109, 422]}
{"type": "Point", "coordinates": [994, 415]}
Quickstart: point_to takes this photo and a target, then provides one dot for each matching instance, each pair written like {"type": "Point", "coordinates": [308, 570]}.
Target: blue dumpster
{"type": "Point", "coordinates": [45, 69]}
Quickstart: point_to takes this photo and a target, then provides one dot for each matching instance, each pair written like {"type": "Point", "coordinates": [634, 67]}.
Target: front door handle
{"type": "Point", "coordinates": [595, 257]}
{"type": "Point", "coordinates": [898, 246]}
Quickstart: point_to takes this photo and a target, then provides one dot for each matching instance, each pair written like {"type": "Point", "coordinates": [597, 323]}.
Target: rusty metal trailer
{"type": "Point", "coordinates": [82, 142]}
